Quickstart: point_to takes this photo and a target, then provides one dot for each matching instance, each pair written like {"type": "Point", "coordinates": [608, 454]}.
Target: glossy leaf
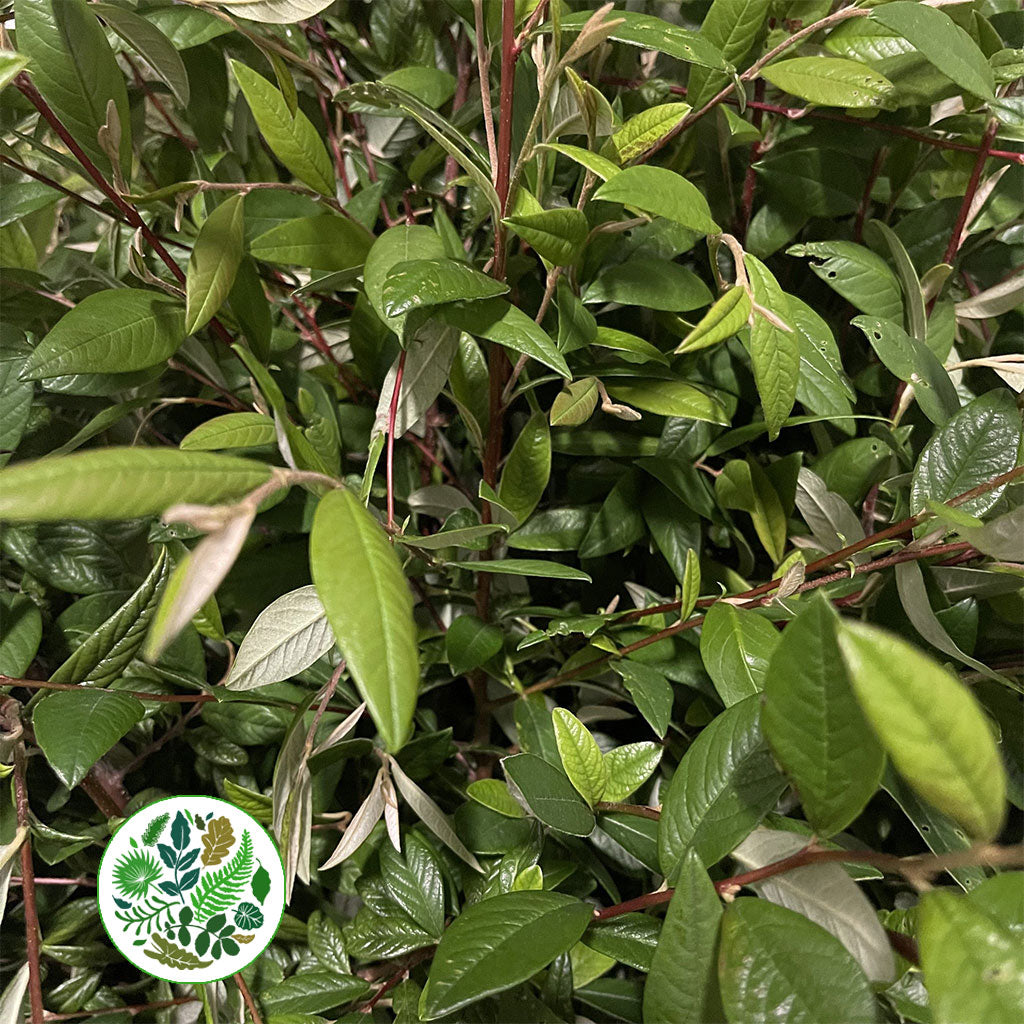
{"type": "Point", "coordinates": [737, 646]}
{"type": "Point", "coordinates": [831, 82]}
{"type": "Point", "coordinates": [214, 262]}
{"type": "Point", "coordinates": [419, 283]}
{"type": "Point", "coordinates": [672, 398]}
{"type": "Point", "coordinates": [557, 235]}
{"type": "Point", "coordinates": [350, 558]}
{"type": "Point", "coordinates": [470, 642]}
{"type": "Point", "coordinates": [581, 756]}
{"type": "Point", "coordinates": [629, 767]}
{"type": "Point", "coordinates": [527, 470]}
{"type": "Point", "coordinates": [549, 794]}
{"type": "Point", "coordinates": [326, 242]}
{"type": "Point", "coordinates": [575, 403]}
{"type": "Point", "coordinates": [930, 725]}
{"type": "Point", "coordinates": [725, 318]}
{"type": "Point", "coordinates": [660, 193]}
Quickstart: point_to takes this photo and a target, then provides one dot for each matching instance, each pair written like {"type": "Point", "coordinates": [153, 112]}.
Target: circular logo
{"type": "Point", "coordinates": [191, 889]}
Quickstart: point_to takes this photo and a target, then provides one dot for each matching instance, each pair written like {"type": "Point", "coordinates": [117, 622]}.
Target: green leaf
{"type": "Point", "coordinates": [232, 430]}
{"type": "Point", "coordinates": [525, 476]}
{"type": "Point", "coordinates": [122, 483]}
{"type": "Point", "coordinates": [832, 82]}
{"type": "Point", "coordinates": [112, 331]}
{"type": "Point", "coordinates": [938, 38]}
{"type": "Point", "coordinates": [733, 27]}
{"type": "Point", "coordinates": [633, 349]}
{"type": "Point", "coordinates": [494, 794]}
{"type": "Point", "coordinates": [642, 130]}
{"type": "Point", "coordinates": [651, 33]}
{"type": "Point", "coordinates": [980, 442]}
{"type": "Point", "coordinates": [725, 318]}
{"type": "Point", "coordinates": [618, 523]}
{"type": "Point", "coordinates": [724, 785]}
{"type": "Point", "coordinates": [527, 567]}
{"type": "Point", "coordinates": [651, 692]}
{"type": "Point", "coordinates": [682, 987]}
{"type": "Point", "coordinates": [743, 484]}
{"type": "Point", "coordinates": [660, 193]}
{"type": "Point", "coordinates": [764, 963]}
{"type": "Point", "coordinates": [312, 991]}
{"type": "Point", "coordinates": [11, 65]}
{"type": "Point", "coordinates": [673, 398]}
{"type": "Point", "coordinates": [549, 794]}
{"type": "Point", "coordinates": [823, 387]}
{"type": "Point", "coordinates": [629, 767]}
{"type": "Point", "coordinates": [914, 363]}
{"type": "Point", "coordinates": [404, 243]}
{"type": "Point", "coordinates": [327, 242]}
{"type": "Point", "coordinates": [815, 726]}
{"type": "Point", "coordinates": [293, 140]}
{"type": "Point", "coordinates": [556, 235]}
{"type": "Point", "coordinates": [858, 274]}
{"type": "Point", "coordinates": [737, 645]}
{"type": "Point", "coordinates": [774, 351]}
{"type": "Point", "coordinates": [76, 72]}
{"type": "Point", "coordinates": [433, 282]}
{"type": "Point", "coordinates": [214, 263]}
{"type": "Point", "coordinates": [971, 952]}
{"type": "Point", "coordinates": [470, 642]}
{"type": "Point", "coordinates": [415, 882]}
{"type": "Point", "coordinates": [581, 756]}
{"type": "Point", "coordinates": [105, 653]}
{"type": "Point", "coordinates": [151, 44]}
{"type": "Point", "coordinates": [498, 943]}
{"type": "Point", "coordinates": [360, 581]}
{"type": "Point", "coordinates": [432, 85]}
{"type": "Point", "coordinates": [75, 728]}
{"type": "Point", "coordinates": [931, 726]}
{"type": "Point", "coordinates": [575, 403]}
{"type": "Point", "coordinates": [507, 325]}
{"type": "Point", "coordinates": [600, 166]}
{"type": "Point", "coordinates": [22, 630]}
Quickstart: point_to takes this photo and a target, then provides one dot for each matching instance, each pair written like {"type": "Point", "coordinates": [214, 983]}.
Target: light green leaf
{"type": "Point", "coordinates": [526, 473]}
{"type": "Point", "coordinates": [151, 44]}
{"type": "Point", "coordinates": [524, 567]}
{"type": "Point", "coordinates": [214, 262]}
{"type": "Point", "coordinates": [774, 351]}
{"type": "Point", "coordinates": [232, 430]}
{"type": "Point", "coordinates": [631, 348]}
{"type": "Point", "coordinates": [815, 726]}
{"type": "Point", "coordinates": [733, 26]}
{"type": "Point", "coordinates": [743, 484]}
{"type": "Point", "coordinates": [728, 315]}
{"type": "Point", "coordinates": [274, 12]}
{"type": "Point", "coordinates": [575, 403]}
{"type": "Point", "coordinates": [549, 794]}
{"type": "Point", "coordinates": [75, 728]}
{"type": "Point", "coordinates": [832, 82]}
{"type": "Point", "coordinates": [823, 387]}
{"type": "Point", "coordinates": [858, 274]}
{"type": "Point", "coordinates": [508, 326]}
{"type": "Point", "coordinates": [293, 140]}
{"type": "Point", "coordinates": [433, 282]}
{"type": "Point", "coordinates": [76, 72]}
{"type": "Point", "coordinates": [682, 987]}
{"type": "Point", "coordinates": [672, 398]}
{"type": "Point", "coordinates": [629, 767]}
{"type": "Point", "coordinates": [581, 756]}
{"type": "Point", "coordinates": [600, 166]}
{"type": "Point", "coordinates": [433, 86]}
{"type": "Point", "coordinates": [653, 283]}
{"type": "Point", "coordinates": [737, 645]}
{"type": "Point", "coordinates": [931, 726]}
{"type": "Point", "coordinates": [11, 65]}
{"type": "Point", "coordinates": [494, 794]}
{"type": "Point", "coordinates": [724, 785]}
{"type": "Point", "coordinates": [469, 642]}
{"type": "Point", "coordinates": [112, 331]}
{"type": "Point", "coordinates": [642, 130]}
{"type": "Point", "coordinates": [556, 235]}
{"type": "Point", "coordinates": [122, 483]}
{"type": "Point", "coordinates": [369, 605]}
{"type": "Point", "coordinates": [935, 35]}
{"type": "Point", "coordinates": [498, 943]}
{"type": "Point", "coordinates": [327, 242]}
{"type": "Point", "coordinates": [980, 442]}
{"type": "Point", "coordinates": [971, 951]}
{"type": "Point", "coordinates": [765, 953]}
{"type": "Point", "coordinates": [914, 363]}
{"type": "Point", "coordinates": [404, 243]}
{"type": "Point", "coordinates": [660, 193]}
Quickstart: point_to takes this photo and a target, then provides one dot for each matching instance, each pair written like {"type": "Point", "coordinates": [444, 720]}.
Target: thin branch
{"type": "Point", "coordinates": [163, 1004]}
{"type": "Point", "coordinates": [483, 59]}
{"type": "Point", "coordinates": [637, 810]}
{"type": "Point", "coordinates": [959, 228]}
{"type": "Point", "coordinates": [28, 889]}
{"type": "Point", "coordinates": [249, 1001]}
{"type": "Point", "coordinates": [392, 417]}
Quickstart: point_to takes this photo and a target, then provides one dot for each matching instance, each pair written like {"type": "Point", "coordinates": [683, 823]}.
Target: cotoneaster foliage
{"type": "Point", "coordinates": [557, 466]}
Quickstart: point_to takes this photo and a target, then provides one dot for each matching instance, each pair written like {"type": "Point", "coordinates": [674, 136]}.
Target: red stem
{"type": "Point", "coordinates": [955, 240]}
{"type": "Point", "coordinates": [869, 185]}
{"type": "Point", "coordinates": [392, 416]}
{"type": "Point", "coordinates": [28, 891]}
{"type": "Point", "coordinates": [249, 1001]}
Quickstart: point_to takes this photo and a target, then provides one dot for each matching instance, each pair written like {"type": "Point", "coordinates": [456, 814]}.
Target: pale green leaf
{"type": "Point", "coordinates": [212, 267]}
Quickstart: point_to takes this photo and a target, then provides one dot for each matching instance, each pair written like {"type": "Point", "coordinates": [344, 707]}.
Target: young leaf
{"type": "Point", "coordinates": [643, 130]}
{"type": "Point", "coordinates": [75, 728]}
{"type": "Point", "coordinates": [575, 403]}
{"type": "Point", "coordinates": [629, 767]}
{"type": "Point", "coordinates": [293, 139]}
{"type": "Point", "coordinates": [214, 262]}
{"type": "Point", "coordinates": [364, 592]}
{"type": "Point", "coordinates": [111, 331]}
{"type": "Point", "coordinates": [120, 483]}
{"type": "Point", "coordinates": [232, 430]}
{"type": "Point", "coordinates": [661, 193]}
{"type": "Point", "coordinates": [495, 795]}
{"type": "Point", "coordinates": [815, 726]}
{"type": "Point", "coordinates": [765, 950]}
{"type": "Point", "coordinates": [581, 757]}
{"type": "Point", "coordinates": [725, 318]}
{"type": "Point", "coordinates": [931, 726]}
{"type": "Point", "coordinates": [498, 943]}
{"type": "Point", "coordinates": [682, 987]}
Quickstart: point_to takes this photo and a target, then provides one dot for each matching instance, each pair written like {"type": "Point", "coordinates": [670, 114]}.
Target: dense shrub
{"type": "Point", "coordinates": [621, 404]}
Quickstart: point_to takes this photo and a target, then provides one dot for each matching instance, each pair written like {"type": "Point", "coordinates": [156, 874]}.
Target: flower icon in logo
{"type": "Point", "coordinates": [191, 889]}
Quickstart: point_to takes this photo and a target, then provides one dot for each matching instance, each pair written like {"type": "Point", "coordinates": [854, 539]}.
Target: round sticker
{"type": "Point", "coordinates": [191, 889]}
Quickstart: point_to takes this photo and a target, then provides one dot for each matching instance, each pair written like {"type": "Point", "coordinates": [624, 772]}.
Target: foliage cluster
{"type": "Point", "coordinates": [555, 466]}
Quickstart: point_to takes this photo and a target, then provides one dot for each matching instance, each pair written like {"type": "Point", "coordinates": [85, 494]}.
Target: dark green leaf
{"type": "Point", "coordinates": [549, 794]}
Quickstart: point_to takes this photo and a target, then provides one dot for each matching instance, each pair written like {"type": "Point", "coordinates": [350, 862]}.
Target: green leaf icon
{"type": "Point", "coordinates": [261, 883]}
